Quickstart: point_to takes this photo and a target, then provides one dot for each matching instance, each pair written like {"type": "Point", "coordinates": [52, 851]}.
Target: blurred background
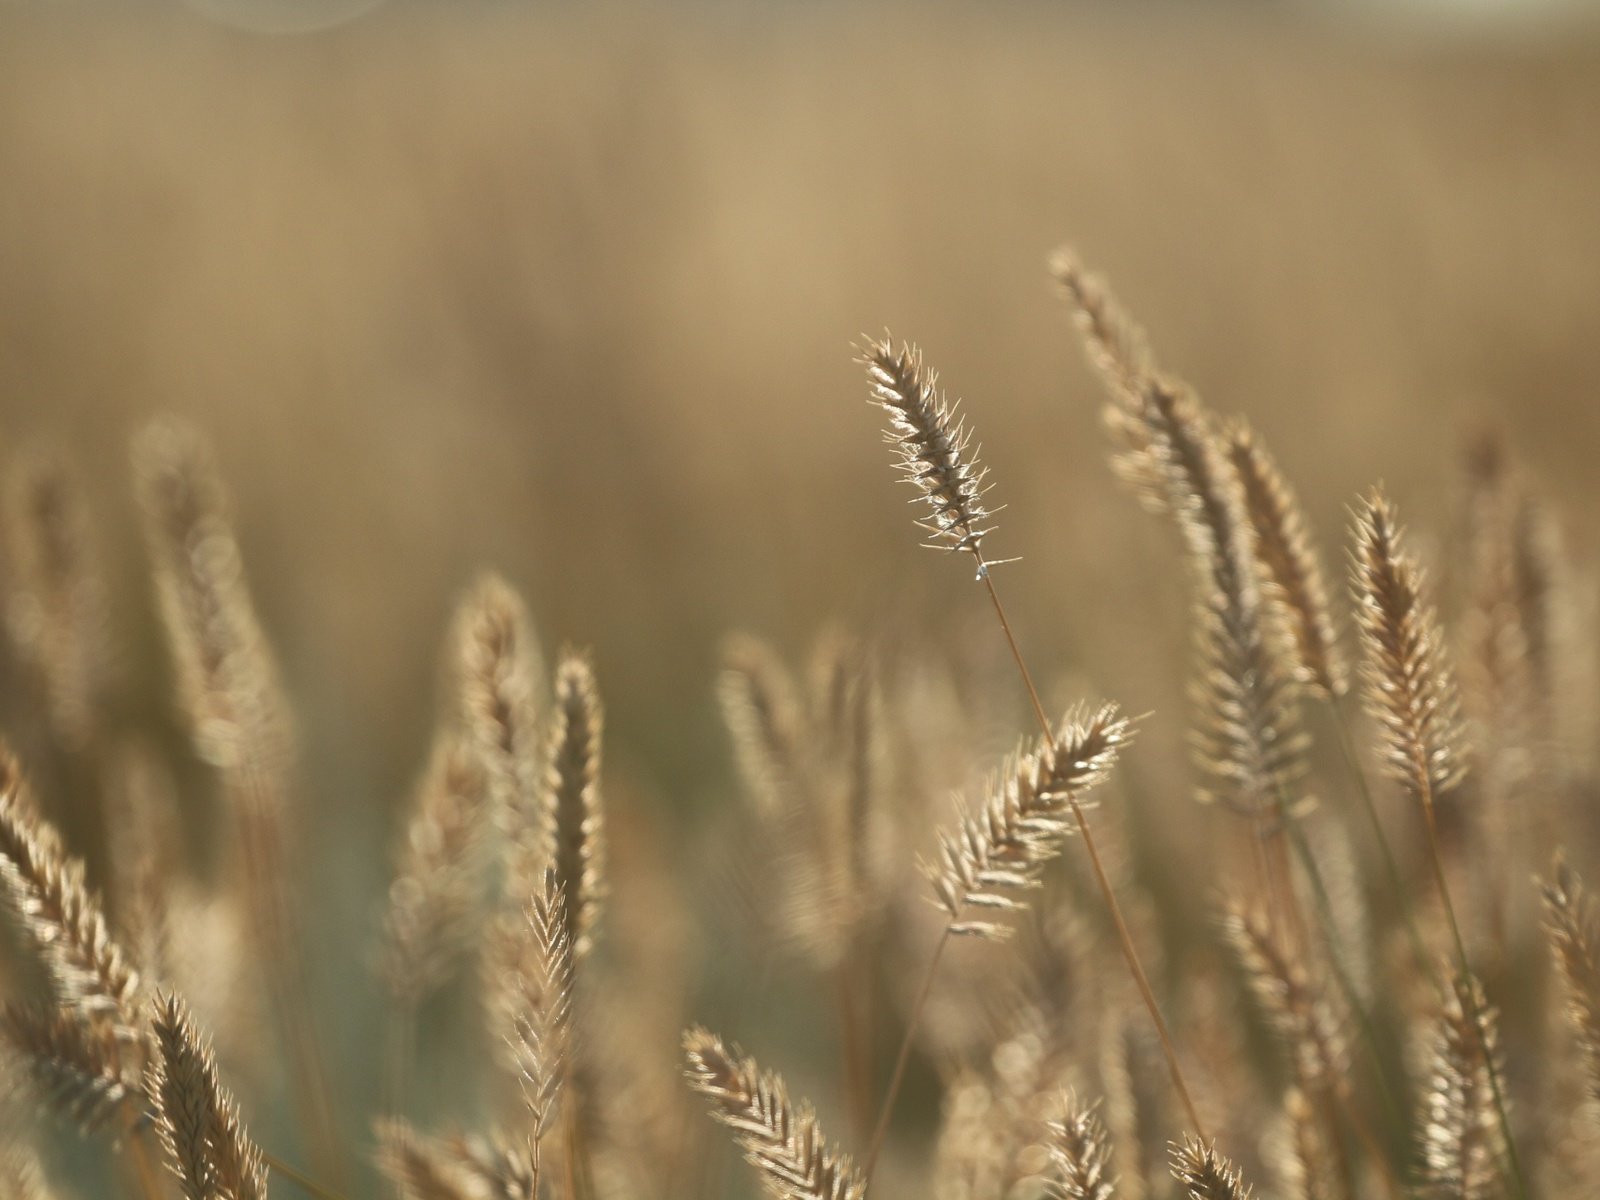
{"type": "Point", "coordinates": [573, 292]}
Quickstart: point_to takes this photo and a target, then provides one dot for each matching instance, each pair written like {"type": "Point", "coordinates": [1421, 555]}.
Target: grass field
{"type": "Point", "coordinates": [577, 296]}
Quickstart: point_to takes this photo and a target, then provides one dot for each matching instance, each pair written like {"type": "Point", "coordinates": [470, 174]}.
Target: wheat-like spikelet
{"type": "Point", "coordinates": [499, 670]}
{"type": "Point", "coordinates": [226, 675]}
{"type": "Point", "coordinates": [813, 771]}
{"type": "Point", "coordinates": [1289, 561]}
{"type": "Point", "coordinates": [1118, 347]}
{"type": "Point", "coordinates": [1247, 735]}
{"type": "Point", "coordinates": [45, 889]}
{"type": "Point", "coordinates": [57, 609]}
{"type": "Point", "coordinates": [1410, 689]}
{"type": "Point", "coordinates": [991, 855]}
{"type": "Point", "coordinates": [783, 1143]}
{"type": "Point", "coordinates": [1295, 1009]}
{"type": "Point", "coordinates": [1461, 1140]}
{"type": "Point", "coordinates": [538, 1020]}
{"type": "Point", "coordinates": [1205, 1174]}
{"type": "Point", "coordinates": [420, 1167]}
{"type": "Point", "coordinates": [931, 444]}
{"type": "Point", "coordinates": [1081, 1151]}
{"type": "Point", "coordinates": [1120, 353]}
{"type": "Point", "coordinates": [574, 817]}
{"type": "Point", "coordinates": [1304, 1161]}
{"type": "Point", "coordinates": [433, 899]}
{"type": "Point", "coordinates": [1570, 921]}
{"type": "Point", "coordinates": [849, 740]}
{"type": "Point", "coordinates": [455, 1167]}
{"type": "Point", "coordinates": [80, 1067]}
{"type": "Point", "coordinates": [775, 747]}
{"type": "Point", "coordinates": [208, 1148]}
{"type": "Point", "coordinates": [1504, 696]}
{"type": "Point", "coordinates": [765, 718]}
{"type": "Point", "coordinates": [142, 822]}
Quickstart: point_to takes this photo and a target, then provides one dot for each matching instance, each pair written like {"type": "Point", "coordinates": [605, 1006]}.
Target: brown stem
{"type": "Point", "coordinates": [258, 801]}
{"type": "Point", "coordinates": [1124, 937]}
{"type": "Point", "coordinates": [1368, 1138]}
{"type": "Point", "coordinates": [903, 1057]}
{"type": "Point", "coordinates": [569, 1160]}
{"type": "Point", "coordinates": [851, 1052]}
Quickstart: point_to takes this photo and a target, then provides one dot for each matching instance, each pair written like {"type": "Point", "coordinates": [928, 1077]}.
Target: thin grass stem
{"type": "Point", "coordinates": [904, 1057]}
{"type": "Point", "coordinates": [1124, 937]}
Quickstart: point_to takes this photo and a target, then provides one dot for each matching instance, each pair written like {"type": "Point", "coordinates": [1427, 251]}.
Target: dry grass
{"type": "Point", "coordinates": [1334, 979]}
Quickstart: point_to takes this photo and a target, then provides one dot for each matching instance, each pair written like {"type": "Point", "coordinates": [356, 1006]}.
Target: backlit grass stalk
{"type": "Point", "coordinates": [781, 1140]}
{"type": "Point", "coordinates": [207, 1146]}
{"type": "Point", "coordinates": [1247, 740]}
{"type": "Point", "coordinates": [239, 723]}
{"type": "Point", "coordinates": [1411, 694]}
{"type": "Point", "coordinates": [931, 446]}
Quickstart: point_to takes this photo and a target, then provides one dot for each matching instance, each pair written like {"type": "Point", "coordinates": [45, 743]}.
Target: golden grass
{"type": "Point", "coordinates": [1378, 1011]}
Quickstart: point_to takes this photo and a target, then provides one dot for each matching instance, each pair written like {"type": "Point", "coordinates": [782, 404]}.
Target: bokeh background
{"type": "Point", "coordinates": [572, 292]}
